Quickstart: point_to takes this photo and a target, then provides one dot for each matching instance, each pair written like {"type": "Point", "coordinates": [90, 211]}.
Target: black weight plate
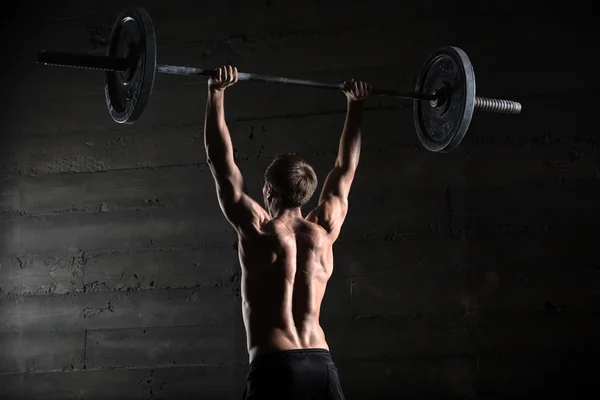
{"type": "Point", "coordinates": [441, 128]}
{"type": "Point", "coordinates": [127, 93]}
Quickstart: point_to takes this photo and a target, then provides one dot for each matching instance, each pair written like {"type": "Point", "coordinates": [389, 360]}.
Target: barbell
{"type": "Point", "coordinates": [444, 98]}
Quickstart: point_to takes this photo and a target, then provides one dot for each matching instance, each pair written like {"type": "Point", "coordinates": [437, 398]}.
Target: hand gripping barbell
{"type": "Point", "coordinates": [444, 97]}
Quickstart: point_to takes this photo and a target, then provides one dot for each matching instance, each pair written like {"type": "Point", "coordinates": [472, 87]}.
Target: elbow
{"type": "Point", "coordinates": [212, 166]}
{"type": "Point", "coordinates": [346, 166]}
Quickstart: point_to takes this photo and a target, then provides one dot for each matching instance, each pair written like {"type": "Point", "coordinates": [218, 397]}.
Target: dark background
{"type": "Point", "coordinates": [473, 274]}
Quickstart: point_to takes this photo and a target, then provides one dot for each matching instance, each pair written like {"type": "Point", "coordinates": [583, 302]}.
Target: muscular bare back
{"type": "Point", "coordinates": [286, 259]}
{"type": "Point", "coordinates": [285, 270]}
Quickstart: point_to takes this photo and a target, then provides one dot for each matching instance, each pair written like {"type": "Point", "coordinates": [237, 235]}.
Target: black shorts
{"type": "Point", "coordinates": [293, 374]}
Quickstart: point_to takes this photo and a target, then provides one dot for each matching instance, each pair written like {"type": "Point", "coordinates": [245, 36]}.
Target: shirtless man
{"type": "Point", "coordinates": [286, 259]}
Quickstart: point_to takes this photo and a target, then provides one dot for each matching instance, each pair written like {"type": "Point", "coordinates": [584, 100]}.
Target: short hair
{"type": "Point", "coordinates": [293, 180]}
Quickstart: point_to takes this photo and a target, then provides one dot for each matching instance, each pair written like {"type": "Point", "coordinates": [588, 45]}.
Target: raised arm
{"type": "Point", "coordinates": [333, 201]}
{"type": "Point", "coordinates": [242, 212]}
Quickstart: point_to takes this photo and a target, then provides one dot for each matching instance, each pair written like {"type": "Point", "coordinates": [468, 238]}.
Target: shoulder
{"type": "Point", "coordinates": [314, 227]}
{"type": "Point", "coordinates": [318, 235]}
{"type": "Point", "coordinates": [252, 219]}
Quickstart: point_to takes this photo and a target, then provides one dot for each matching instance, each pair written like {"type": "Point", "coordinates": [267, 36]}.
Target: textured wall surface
{"type": "Point", "coordinates": [473, 274]}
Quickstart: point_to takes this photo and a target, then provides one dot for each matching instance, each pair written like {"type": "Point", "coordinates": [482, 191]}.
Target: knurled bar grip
{"type": "Point", "coordinates": [107, 63]}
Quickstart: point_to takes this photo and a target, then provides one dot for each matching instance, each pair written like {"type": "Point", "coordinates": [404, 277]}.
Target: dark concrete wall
{"type": "Point", "coordinates": [473, 274]}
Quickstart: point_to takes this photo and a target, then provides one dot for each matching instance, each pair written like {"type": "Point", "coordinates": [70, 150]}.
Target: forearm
{"type": "Point", "coordinates": [217, 140]}
{"type": "Point", "coordinates": [350, 142]}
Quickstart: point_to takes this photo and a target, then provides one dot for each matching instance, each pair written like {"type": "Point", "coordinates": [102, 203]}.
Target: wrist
{"type": "Point", "coordinates": [355, 103]}
{"type": "Point", "coordinates": [215, 92]}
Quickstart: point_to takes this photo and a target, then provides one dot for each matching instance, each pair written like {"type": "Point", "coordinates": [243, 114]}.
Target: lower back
{"type": "Point", "coordinates": [271, 337]}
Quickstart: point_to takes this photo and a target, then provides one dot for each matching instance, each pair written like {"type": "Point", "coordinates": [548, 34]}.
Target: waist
{"type": "Point", "coordinates": [286, 356]}
{"type": "Point", "coordinates": [264, 340]}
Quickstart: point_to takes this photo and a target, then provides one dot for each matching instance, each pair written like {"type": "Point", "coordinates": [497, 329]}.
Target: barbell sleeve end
{"type": "Point", "coordinates": [497, 105]}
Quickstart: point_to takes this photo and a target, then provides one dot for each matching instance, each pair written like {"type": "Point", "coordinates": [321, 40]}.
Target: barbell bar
{"type": "Point", "coordinates": [444, 99]}
{"type": "Point", "coordinates": [122, 64]}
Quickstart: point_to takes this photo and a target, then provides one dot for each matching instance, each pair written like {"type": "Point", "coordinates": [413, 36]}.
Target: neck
{"type": "Point", "coordinates": [290, 213]}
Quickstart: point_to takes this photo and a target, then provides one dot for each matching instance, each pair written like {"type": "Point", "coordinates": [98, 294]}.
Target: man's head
{"type": "Point", "coordinates": [289, 183]}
